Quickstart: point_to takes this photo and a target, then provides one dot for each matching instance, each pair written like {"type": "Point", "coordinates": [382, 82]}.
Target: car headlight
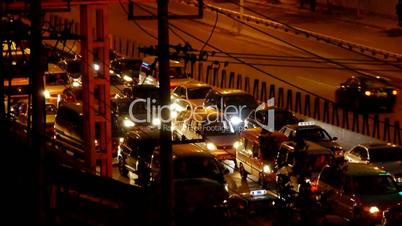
{"type": "Point", "coordinates": [374, 210]}
{"type": "Point", "coordinates": [121, 140]}
{"type": "Point", "coordinates": [127, 78]}
{"type": "Point", "coordinates": [211, 146]}
{"type": "Point", "coordinates": [128, 123]}
{"type": "Point", "coordinates": [267, 169]}
{"type": "Point", "coordinates": [46, 93]}
{"type": "Point", "coordinates": [236, 120]}
{"type": "Point", "coordinates": [394, 92]}
{"type": "Point", "coordinates": [76, 84]}
{"type": "Point", "coordinates": [236, 144]}
{"type": "Point", "coordinates": [111, 71]}
{"type": "Point", "coordinates": [96, 67]}
{"type": "Point", "coordinates": [173, 114]}
{"type": "Point", "coordinates": [156, 122]}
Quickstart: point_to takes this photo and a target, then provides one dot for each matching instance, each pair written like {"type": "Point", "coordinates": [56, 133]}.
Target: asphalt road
{"type": "Point", "coordinates": [294, 61]}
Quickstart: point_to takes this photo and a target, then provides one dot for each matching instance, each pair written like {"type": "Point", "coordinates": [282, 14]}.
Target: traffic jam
{"type": "Point", "coordinates": [231, 151]}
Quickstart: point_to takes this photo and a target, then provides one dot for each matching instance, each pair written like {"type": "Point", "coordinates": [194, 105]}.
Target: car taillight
{"type": "Point", "coordinates": [314, 187]}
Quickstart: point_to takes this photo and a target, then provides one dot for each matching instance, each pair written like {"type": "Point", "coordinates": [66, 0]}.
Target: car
{"type": "Point", "coordinates": [198, 180]}
{"type": "Point", "coordinates": [126, 68]}
{"type": "Point", "coordinates": [68, 128]}
{"type": "Point", "coordinates": [149, 72]}
{"type": "Point", "coordinates": [386, 156]}
{"type": "Point", "coordinates": [392, 216]}
{"type": "Point", "coordinates": [19, 111]}
{"type": "Point", "coordinates": [189, 95]}
{"type": "Point", "coordinates": [235, 104]}
{"type": "Point", "coordinates": [135, 152]}
{"type": "Point", "coordinates": [358, 192]}
{"type": "Point", "coordinates": [140, 108]}
{"type": "Point", "coordinates": [314, 133]}
{"type": "Point", "coordinates": [72, 66]}
{"type": "Point", "coordinates": [256, 153]}
{"type": "Point", "coordinates": [259, 118]}
{"type": "Point", "coordinates": [310, 159]}
{"type": "Point", "coordinates": [366, 93]}
{"type": "Point", "coordinates": [55, 81]}
{"type": "Point", "coordinates": [209, 129]}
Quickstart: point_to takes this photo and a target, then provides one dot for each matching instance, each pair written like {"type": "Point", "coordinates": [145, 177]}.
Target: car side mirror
{"type": "Point", "coordinates": [334, 138]}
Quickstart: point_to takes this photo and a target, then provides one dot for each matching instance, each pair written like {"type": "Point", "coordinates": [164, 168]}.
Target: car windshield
{"type": "Point", "coordinates": [314, 134]}
{"type": "Point", "coordinates": [373, 185]}
{"type": "Point", "coordinates": [177, 73]}
{"type": "Point", "coordinates": [54, 79]}
{"type": "Point", "coordinates": [126, 65]}
{"type": "Point", "coordinates": [74, 67]}
{"type": "Point", "coordinates": [196, 167]}
{"type": "Point", "coordinates": [115, 80]}
{"type": "Point", "coordinates": [240, 100]}
{"type": "Point", "coordinates": [198, 92]}
{"type": "Point", "coordinates": [386, 154]}
{"type": "Point", "coordinates": [146, 92]}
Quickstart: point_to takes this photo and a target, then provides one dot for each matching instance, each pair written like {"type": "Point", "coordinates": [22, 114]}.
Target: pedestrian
{"type": "Point", "coordinates": [398, 8]}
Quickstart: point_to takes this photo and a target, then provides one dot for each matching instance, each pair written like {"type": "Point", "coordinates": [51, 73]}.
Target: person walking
{"type": "Point", "coordinates": [398, 8]}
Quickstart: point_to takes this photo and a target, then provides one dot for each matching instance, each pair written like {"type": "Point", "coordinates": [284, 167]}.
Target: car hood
{"type": "Point", "coordinates": [196, 102]}
{"type": "Point", "coordinates": [394, 167]}
{"type": "Point", "coordinates": [193, 192]}
{"type": "Point", "coordinates": [381, 201]}
{"type": "Point", "coordinates": [224, 140]}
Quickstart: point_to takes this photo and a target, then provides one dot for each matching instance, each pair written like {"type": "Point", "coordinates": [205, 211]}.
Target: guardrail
{"type": "Point", "coordinates": [305, 104]}
{"type": "Point", "coordinates": [299, 31]}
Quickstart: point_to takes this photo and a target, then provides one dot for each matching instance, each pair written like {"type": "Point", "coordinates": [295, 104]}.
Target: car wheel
{"type": "Point", "coordinates": [122, 168]}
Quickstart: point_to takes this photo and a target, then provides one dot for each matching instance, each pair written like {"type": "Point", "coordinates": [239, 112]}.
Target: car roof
{"type": "Point", "coordinates": [298, 127]}
{"type": "Point", "coordinates": [144, 133]}
{"type": "Point", "coordinates": [255, 133]}
{"type": "Point", "coordinates": [313, 148]}
{"type": "Point", "coordinates": [188, 150]}
{"type": "Point", "coordinates": [192, 84]}
{"type": "Point", "coordinates": [229, 92]}
{"type": "Point", "coordinates": [151, 60]}
{"type": "Point", "coordinates": [361, 169]}
{"type": "Point", "coordinates": [76, 107]}
{"type": "Point", "coordinates": [379, 145]}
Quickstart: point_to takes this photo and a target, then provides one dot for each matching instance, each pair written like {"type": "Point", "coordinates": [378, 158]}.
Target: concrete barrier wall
{"type": "Point", "coordinates": [383, 7]}
{"type": "Point", "coordinates": [346, 138]}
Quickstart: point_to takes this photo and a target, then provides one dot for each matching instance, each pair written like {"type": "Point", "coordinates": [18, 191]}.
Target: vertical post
{"type": "Point", "coordinates": [38, 103]}
{"type": "Point", "coordinates": [165, 133]}
{"type": "Point", "coordinates": [88, 88]}
{"type": "Point", "coordinates": [2, 73]}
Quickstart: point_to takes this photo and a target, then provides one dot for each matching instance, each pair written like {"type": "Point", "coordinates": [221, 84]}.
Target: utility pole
{"type": "Point", "coordinates": [38, 103]}
{"type": "Point", "coordinates": [165, 133]}
{"type": "Point", "coordinates": [2, 75]}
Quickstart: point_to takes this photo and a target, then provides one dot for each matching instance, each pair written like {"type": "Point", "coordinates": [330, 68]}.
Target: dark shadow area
{"type": "Point", "coordinates": [394, 32]}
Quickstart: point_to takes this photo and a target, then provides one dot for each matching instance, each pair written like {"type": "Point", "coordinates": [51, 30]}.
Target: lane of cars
{"type": "Point", "coordinates": [224, 130]}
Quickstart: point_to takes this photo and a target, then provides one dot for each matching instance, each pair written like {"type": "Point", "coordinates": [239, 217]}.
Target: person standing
{"type": "Point", "coordinates": [398, 8]}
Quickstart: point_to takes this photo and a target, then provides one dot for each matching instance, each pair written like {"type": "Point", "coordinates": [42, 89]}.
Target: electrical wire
{"type": "Point", "coordinates": [212, 32]}
{"type": "Point", "coordinates": [304, 32]}
{"type": "Point", "coordinates": [136, 23]}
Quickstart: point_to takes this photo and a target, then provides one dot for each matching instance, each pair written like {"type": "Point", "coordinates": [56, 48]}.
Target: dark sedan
{"type": "Point", "coordinates": [260, 118]}
{"type": "Point", "coordinates": [126, 68]}
{"type": "Point", "coordinates": [366, 93]}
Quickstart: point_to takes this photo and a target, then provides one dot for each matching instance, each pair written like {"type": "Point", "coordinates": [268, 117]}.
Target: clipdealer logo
{"type": "Point", "coordinates": [230, 114]}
